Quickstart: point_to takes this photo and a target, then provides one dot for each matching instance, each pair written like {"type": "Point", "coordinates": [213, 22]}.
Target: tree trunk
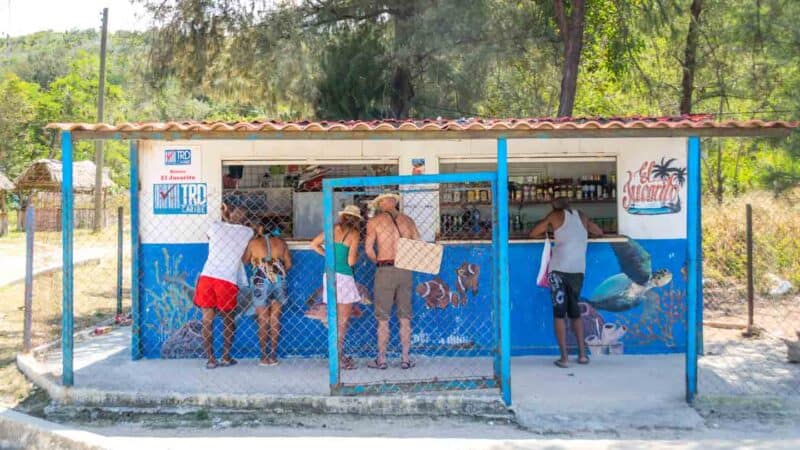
{"type": "Point", "coordinates": [690, 57]}
{"type": "Point", "coordinates": [571, 29]}
{"type": "Point", "coordinates": [402, 92]}
{"type": "Point", "coordinates": [720, 187]}
{"type": "Point", "coordinates": [401, 83]}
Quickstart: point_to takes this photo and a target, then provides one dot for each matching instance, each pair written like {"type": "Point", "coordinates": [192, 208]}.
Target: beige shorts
{"type": "Point", "coordinates": [392, 287]}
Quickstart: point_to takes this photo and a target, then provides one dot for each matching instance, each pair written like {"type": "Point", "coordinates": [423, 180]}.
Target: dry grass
{"type": "Point", "coordinates": [776, 243]}
{"type": "Point", "coordinates": [776, 250]}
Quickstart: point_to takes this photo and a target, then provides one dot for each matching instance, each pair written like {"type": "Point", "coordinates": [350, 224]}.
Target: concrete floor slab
{"type": "Point", "coordinates": [645, 391]}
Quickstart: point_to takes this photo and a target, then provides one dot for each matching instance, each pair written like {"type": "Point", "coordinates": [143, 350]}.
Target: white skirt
{"type": "Point", "coordinates": [346, 289]}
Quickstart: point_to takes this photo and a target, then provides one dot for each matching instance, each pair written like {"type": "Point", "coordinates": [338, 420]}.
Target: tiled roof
{"type": "Point", "coordinates": [698, 121]}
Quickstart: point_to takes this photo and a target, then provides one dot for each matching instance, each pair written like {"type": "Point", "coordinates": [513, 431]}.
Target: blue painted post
{"type": "Point", "coordinates": [330, 285]}
{"type": "Point", "coordinates": [496, 277]}
{"type": "Point", "coordinates": [694, 289]}
{"type": "Point", "coordinates": [700, 350]}
{"type": "Point", "coordinates": [119, 260]}
{"type": "Point", "coordinates": [136, 330]}
{"type": "Point", "coordinates": [30, 227]}
{"type": "Point", "coordinates": [67, 219]}
{"type": "Point", "coordinates": [505, 303]}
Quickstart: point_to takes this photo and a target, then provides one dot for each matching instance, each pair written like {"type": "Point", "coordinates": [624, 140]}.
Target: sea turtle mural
{"type": "Point", "coordinates": [634, 286]}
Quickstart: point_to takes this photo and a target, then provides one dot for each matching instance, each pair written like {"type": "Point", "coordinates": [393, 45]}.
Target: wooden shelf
{"type": "Point", "coordinates": [605, 201]}
{"type": "Point", "coordinates": [572, 201]}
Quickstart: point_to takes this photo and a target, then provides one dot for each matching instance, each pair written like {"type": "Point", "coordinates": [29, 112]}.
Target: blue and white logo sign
{"type": "Point", "coordinates": [178, 157]}
{"type": "Point", "coordinates": [181, 198]}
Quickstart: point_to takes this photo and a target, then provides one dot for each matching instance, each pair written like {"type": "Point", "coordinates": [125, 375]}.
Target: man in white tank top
{"type": "Point", "coordinates": [567, 266]}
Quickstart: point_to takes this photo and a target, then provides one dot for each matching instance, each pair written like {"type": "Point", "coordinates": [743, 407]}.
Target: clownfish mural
{"type": "Point", "coordinates": [437, 293]}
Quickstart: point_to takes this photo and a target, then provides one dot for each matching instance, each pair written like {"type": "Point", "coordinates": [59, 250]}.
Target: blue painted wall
{"type": "Point", "coordinates": [656, 326]}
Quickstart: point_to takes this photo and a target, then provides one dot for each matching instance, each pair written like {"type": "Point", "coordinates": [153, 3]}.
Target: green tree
{"type": "Point", "coordinates": [354, 77]}
{"type": "Point", "coordinates": [18, 144]}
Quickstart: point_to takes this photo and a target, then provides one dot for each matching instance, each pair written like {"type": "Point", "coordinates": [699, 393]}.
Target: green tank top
{"type": "Point", "coordinates": [342, 251]}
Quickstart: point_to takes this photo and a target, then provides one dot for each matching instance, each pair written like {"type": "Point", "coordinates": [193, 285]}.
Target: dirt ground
{"type": "Point", "coordinates": [775, 317]}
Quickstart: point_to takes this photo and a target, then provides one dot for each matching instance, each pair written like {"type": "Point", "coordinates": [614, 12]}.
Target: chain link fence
{"type": "Point", "coordinates": [430, 322]}
{"type": "Point", "coordinates": [243, 285]}
{"type": "Point", "coordinates": [741, 358]}
{"type": "Point", "coordinates": [101, 258]}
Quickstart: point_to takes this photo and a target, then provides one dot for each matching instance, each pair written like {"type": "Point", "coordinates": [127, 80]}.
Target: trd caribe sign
{"type": "Point", "coordinates": [178, 157]}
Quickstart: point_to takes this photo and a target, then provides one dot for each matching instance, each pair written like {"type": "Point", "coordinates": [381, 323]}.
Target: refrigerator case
{"type": "Point", "coordinates": [308, 211]}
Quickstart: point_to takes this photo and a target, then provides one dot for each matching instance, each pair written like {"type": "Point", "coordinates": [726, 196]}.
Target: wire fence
{"type": "Point", "coordinates": [750, 335]}
{"type": "Point", "coordinates": [244, 286]}
{"type": "Point", "coordinates": [101, 258]}
{"type": "Point", "coordinates": [432, 322]}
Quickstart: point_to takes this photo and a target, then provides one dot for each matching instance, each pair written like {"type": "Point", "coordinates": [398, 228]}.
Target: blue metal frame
{"type": "Point", "coordinates": [120, 223]}
{"type": "Point", "coordinates": [475, 177]}
{"type": "Point", "coordinates": [67, 219]}
{"type": "Point", "coordinates": [503, 281]}
{"type": "Point", "coordinates": [406, 387]}
{"type": "Point", "coordinates": [502, 364]}
{"type": "Point", "coordinates": [694, 289]}
{"type": "Point", "coordinates": [30, 231]}
{"type": "Point", "coordinates": [496, 322]}
{"type": "Point", "coordinates": [330, 286]}
{"type": "Point", "coordinates": [136, 328]}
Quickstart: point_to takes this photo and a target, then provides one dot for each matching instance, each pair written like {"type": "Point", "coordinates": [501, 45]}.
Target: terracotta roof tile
{"type": "Point", "coordinates": [695, 121]}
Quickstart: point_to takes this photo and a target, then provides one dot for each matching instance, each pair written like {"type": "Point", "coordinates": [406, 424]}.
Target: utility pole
{"type": "Point", "coordinates": [98, 145]}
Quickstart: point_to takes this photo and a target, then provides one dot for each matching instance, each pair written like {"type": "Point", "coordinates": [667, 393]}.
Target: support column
{"type": "Point", "coordinates": [67, 223]}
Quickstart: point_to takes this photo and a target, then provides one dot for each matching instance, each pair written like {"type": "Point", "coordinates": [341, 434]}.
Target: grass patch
{"type": "Point", "coordinates": [776, 243]}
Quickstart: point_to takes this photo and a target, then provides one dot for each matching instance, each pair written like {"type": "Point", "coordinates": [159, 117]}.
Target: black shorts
{"type": "Point", "coordinates": [565, 292]}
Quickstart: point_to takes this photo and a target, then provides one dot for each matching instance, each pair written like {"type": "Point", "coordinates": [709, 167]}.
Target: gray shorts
{"type": "Point", "coordinates": [392, 286]}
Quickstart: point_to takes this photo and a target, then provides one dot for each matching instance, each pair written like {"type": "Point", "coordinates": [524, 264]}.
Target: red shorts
{"type": "Point", "coordinates": [215, 293]}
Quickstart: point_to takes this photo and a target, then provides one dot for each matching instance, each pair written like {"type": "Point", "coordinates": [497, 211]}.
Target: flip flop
{"type": "Point", "coordinates": [405, 365]}
{"type": "Point", "coordinates": [584, 360]}
{"type": "Point", "coordinates": [228, 363]}
{"type": "Point", "coordinates": [211, 365]}
{"type": "Point", "coordinates": [374, 364]}
{"type": "Point", "coordinates": [348, 364]}
{"type": "Point", "coordinates": [560, 364]}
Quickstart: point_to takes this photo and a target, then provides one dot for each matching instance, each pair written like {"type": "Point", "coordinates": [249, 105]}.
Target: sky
{"type": "Point", "coordinates": [29, 16]}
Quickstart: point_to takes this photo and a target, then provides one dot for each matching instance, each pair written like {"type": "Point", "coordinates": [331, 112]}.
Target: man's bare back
{"type": "Point", "coordinates": [383, 234]}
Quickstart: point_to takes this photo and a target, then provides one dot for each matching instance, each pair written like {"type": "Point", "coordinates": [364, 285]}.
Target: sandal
{"type": "Point", "coordinates": [347, 363]}
{"type": "Point", "coordinates": [560, 364]}
{"type": "Point", "coordinates": [374, 364]}
{"type": "Point", "coordinates": [211, 365]}
{"type": "Point", "coordinates": [405, 365]}
{"type": "Point", "coordinates": [228, 362]}
{"type": "Point", "coordinates": [584, 360]}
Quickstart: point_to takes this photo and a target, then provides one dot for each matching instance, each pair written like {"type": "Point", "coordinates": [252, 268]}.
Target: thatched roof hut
{"type": "Point", "coordinates": [5, 183]}
{"type": "Point", "coordinates": [47, 174]}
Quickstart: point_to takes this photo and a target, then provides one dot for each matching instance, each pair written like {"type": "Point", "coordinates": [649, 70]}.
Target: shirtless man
{"type": "Point", "coordinates": [392, 285]}
{"type": "Point", "coordinates": [271, 260]}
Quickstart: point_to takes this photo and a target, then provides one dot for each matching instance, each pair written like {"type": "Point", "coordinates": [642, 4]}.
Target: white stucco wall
{"type": "Point", "coordinates": [207, 157]}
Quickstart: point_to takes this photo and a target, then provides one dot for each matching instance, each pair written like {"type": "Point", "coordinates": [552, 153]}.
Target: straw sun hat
{"type": "Point", "coordinates": [386, 195]}
{"type": "Point", "coordinates": [351, 210]}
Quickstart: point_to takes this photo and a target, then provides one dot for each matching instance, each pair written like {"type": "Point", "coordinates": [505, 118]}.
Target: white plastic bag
{"type": "Point", "coordinates": [544, 265]}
